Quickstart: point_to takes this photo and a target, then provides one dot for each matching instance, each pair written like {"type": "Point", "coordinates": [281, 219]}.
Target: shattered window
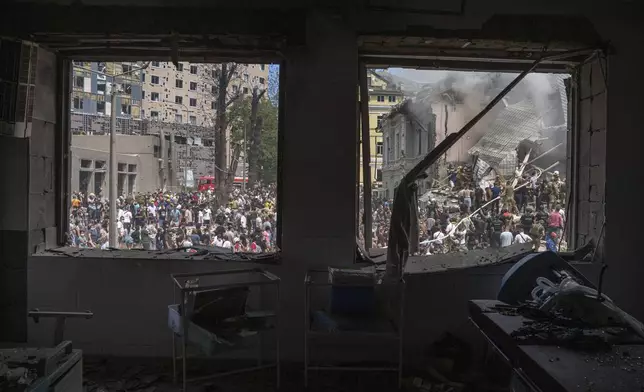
{"type": "Point", "coordinates": [504, 183]}
{"type": "Point", "coordinates": [177, 182]}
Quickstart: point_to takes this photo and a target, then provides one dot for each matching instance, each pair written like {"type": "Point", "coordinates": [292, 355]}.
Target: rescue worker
{"type": "Point", "coordinates": [460, 178]}
{"type": "Point", "coordinates": [527, 220]}
{"type": "Point", "coordinates": [537, 233]}
{"type": "Point", "coordinates": [508, 198]}
{"type": "Point", "coordinates": [496, 227]}
{"type": "Point", "coordinates": [554, 189]}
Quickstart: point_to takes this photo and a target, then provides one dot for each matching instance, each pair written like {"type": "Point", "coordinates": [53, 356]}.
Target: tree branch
{"type": "Point", "coordinates": [234, 98]}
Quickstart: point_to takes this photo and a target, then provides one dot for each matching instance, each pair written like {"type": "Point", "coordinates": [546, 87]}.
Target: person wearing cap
{"type": "Point", "coordinates": [555, 221]}
{"type": "Point", "coordinates": [551, 242]}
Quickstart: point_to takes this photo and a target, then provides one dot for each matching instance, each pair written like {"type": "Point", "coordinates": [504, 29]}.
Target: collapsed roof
{"type": "Point", "coordinates": [540, 118]}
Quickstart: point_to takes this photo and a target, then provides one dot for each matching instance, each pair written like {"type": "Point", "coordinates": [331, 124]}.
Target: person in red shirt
{"type": "Point", "coordinates": [555, 221]}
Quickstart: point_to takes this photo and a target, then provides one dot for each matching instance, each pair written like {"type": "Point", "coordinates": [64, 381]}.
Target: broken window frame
{"type": "Point", "coordinates": [572, 212]}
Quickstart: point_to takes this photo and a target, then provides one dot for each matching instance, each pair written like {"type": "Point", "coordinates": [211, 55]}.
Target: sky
{"type": "Point", "coordinates": [419, 76]}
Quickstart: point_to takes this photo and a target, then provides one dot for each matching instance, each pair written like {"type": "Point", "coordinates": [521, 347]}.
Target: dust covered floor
{"type": "Point", "coordinates": [153, 375]}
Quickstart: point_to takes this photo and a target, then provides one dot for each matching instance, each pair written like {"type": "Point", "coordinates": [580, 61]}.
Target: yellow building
{"type": "Point", "coordinates": [383, 95]}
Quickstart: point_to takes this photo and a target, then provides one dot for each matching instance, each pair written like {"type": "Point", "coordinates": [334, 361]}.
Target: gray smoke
{"type": "Point", "coordinates": [470, 92]}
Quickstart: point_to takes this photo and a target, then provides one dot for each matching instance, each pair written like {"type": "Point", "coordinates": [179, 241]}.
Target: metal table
{"type": "Point", "coordinates": [190, 333]}
{"type": "Point", "coordinates": [394, 335]}
{"type": "Point", "coordinates": [550, 368]}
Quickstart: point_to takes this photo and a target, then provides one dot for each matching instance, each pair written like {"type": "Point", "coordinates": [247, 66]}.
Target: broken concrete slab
{"type": "Point", "coordinates": [462, 260]}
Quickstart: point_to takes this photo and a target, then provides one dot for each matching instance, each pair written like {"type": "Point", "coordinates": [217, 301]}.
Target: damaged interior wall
{"type": "Point", "coordinates": [331, 50]}
{"type": "Point", "coordinates": [590, 163]}
{"type": "Point", "coordinates": [28, 212]}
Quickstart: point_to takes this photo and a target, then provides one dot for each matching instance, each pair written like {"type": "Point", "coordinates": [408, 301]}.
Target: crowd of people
{"type": "Point", "coordinates": [504, 214]}
{"type": "Point", "coordinates": [161, 220]}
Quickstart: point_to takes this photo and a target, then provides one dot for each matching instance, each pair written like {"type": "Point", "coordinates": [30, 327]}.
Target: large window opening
{"type": "Point", "coordinates": [505, 182]}
{"type": "Point", "coordinates": [185, 173]}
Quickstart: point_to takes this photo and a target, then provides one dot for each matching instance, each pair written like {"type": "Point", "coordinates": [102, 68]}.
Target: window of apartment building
{"type": "Point", "coordinates": [379, 122]}
{"type": "Point", "coordinates": [193, 69]}
{"type": "Point", "coordinates": [379, 148]}
{"type": "Point", "coordinates": [79, 81]}
{"type": "Point", "coordinates": [127, 88]}
{"type": "Point", "coordinates": [179, 67]}
{"type": "Point", "coordinates": [246, 77]}
{"type": "Point", "coordinates": [142, 94]}
{"type": "Point", "coordinates": [127, 68]}
{"type": "Point", "coordinates": [78, 103]}
{"type": "Point", "coordinates": [262, 80]}
{"type": "Point", "coordinates": [142, 77]}
{"type": "Point", "coordinates": [213, 90]}
{"type": "Point", "coordinates": [392, 98]}
{"type": "Point", "coordinates": [100, 107]}
{"type": "Point", "coordinates": [262, 67]}
{"type": "Point", "coordinates": [155, 64]}
{"type": "Point", "coordinates": [381, 98]}
{"type": "Point", "coordinates": [142, 169]}
{"type": "Point", "coordinates": [245, 90]}
{"type": "Point", "coordinates": [100, 86]}
{"type": "Point", "coordinates": [178, 83]}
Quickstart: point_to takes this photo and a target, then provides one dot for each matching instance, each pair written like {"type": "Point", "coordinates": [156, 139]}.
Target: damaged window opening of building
{"type": "Point", "coordinates": [176, 184]}
{"type": "Point", "coordinates": [507, 182]}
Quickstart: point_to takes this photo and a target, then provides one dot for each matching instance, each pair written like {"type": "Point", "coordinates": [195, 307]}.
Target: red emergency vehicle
{"type": "Point", "coordinates": [208, 182]}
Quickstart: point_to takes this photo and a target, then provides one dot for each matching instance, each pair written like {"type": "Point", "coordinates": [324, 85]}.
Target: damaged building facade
{"type": "Point", "coordinates": [409, 133]}
{"type": "Point", "coordinates": [531, 121]}
{"type": "Point", "coordinates": [166, 155]}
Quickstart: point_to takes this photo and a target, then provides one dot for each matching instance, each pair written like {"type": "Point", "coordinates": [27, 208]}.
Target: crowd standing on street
{"type": "Point", "coordinates": [161, 220]}
{"type": "Point", "coordinates": [504, 214]}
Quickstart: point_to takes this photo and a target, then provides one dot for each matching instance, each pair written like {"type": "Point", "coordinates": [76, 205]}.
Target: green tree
{"type": "Point", "coordinates": [240, 120]}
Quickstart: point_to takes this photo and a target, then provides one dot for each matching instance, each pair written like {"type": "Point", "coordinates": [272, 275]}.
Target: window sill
{"type": "Point", "coordinates": [202, 254]}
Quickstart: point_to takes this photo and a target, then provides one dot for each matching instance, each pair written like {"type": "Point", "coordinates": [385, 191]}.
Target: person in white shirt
{"type": "Point", "coordinates": [206, 215]}
{"type": "Point", "coordinates": [127, 220]}
{"type": "Point", "coordinates": [200, 217]}
{"type": "Point", "coordinates": [438, 236]}
{"type": "Point", "coordinates": [152, 210]}
{"type": "Point", "coordinates": [522, 238]}
{"type": "Point", "coordinates": [506, 238]}
{"type": "Point", "coordinates": [227, 244]}
{"type": "Point", "coordinates": [450, 227]}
